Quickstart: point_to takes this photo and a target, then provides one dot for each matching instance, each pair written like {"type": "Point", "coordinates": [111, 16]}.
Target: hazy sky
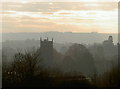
{"type": "Point", "coordinates": [81, 16]}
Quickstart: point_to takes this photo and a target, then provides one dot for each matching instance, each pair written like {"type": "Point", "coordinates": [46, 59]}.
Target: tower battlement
{"type": "Point", "coordinates": [46, 40]}
{"type": "Point", "coordinates": [46, 43]}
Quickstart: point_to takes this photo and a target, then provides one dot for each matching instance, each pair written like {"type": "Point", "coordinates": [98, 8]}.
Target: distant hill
{"type": "Point", "coordinates": [62, 37]}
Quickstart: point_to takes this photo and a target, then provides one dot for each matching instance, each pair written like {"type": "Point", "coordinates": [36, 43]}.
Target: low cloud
{"type": "Point", "coordinates": [58, 16]}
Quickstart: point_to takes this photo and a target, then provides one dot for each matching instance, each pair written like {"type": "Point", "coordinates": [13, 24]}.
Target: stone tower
{"type": "Point", "coordinates": [46, 50]}
{"type": "Point", "coordinates": [110, 39]}
{"type": "Point", "coordinates": [109, 48]}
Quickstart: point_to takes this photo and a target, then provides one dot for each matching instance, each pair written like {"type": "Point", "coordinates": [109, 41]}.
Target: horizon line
{"type": "Point", "coordinates": [60, 32]}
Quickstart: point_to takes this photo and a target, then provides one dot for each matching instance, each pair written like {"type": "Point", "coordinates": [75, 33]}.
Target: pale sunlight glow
{"type": "Point", "coordinates": [101, 17]}
{"type": "Point", "coordinates": [24, 1]}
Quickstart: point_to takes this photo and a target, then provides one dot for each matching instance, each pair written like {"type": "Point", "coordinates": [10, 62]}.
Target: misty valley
{"type": "Point", "coordinates": [46, 62]}
{"type": "Point", "coordinates": [59, 44]}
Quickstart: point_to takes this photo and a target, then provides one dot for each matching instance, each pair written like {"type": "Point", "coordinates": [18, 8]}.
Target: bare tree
{"type": "Point", "coordinates": [25, 65]}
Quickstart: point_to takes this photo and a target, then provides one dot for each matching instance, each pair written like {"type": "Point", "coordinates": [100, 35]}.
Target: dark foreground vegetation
{"type": "Point", "coordinates": [40, 81]}
{"type": "Point", "coordinates": [26, 71]}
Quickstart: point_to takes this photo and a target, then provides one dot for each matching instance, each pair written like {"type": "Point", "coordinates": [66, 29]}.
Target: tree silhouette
{"type": "Point", "coordinates": [81, 59]}
{"type": "Point", "coordinates": [24, 67]}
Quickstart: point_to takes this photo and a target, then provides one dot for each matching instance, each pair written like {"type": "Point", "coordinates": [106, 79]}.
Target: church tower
{"type": "Point", "coordinates": [108, 47]}
{"type": "Point", "coordinates": [110, 39]}
{"type": "Point", "coordinates": [46, 50]}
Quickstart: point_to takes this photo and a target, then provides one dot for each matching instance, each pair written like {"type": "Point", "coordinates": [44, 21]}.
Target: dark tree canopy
{"type": "Point", "coordinates": [79, 59]}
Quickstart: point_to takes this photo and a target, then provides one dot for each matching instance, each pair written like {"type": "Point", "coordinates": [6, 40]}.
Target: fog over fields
{"type": "Point", "coordinates": [61, 37]}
